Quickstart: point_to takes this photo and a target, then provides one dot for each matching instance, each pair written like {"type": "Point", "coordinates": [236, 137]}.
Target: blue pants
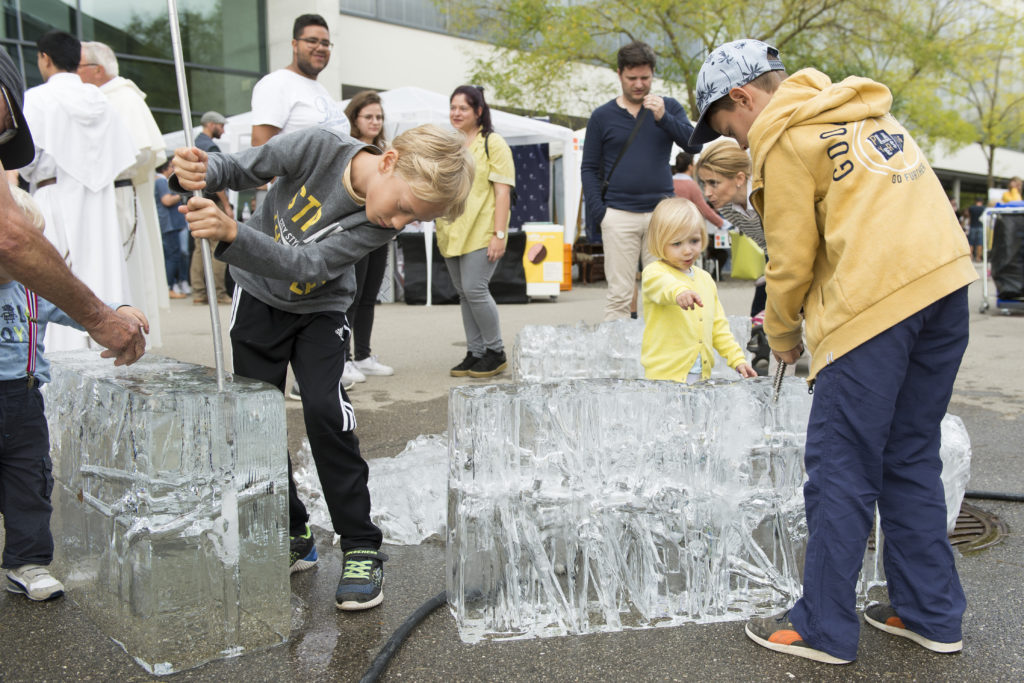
{"type": "Point", "coordinates": [874, 436]}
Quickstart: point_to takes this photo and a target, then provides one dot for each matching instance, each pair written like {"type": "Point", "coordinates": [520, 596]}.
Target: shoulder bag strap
{"type": "Point", "coordinates": [622, 152]}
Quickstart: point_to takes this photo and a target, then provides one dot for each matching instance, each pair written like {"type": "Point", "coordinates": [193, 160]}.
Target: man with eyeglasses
{"type": "Point", "coordinates": [134, 188]}
{"type": "Point", "coordinates": [81, 149]}
{"type": "Point", "coordinates": [28, 256]}
{"type": "Point", "coordinates": [291, 99]}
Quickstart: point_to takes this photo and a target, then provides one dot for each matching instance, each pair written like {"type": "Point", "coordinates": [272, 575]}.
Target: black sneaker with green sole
{"type": "Point", "coordinates": [492, 363]}
{"type": "Point", "coordinates": [462, 369]}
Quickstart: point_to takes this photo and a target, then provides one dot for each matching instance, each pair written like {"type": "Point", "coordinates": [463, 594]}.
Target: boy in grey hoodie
{"type": "Point", "coordinates": [334, 200]}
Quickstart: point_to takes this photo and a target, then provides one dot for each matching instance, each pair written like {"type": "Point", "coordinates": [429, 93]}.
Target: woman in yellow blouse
{"type": "Point", "coordinates": [473, 243]}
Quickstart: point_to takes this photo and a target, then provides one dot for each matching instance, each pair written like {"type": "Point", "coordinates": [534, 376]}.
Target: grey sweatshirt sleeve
{"type": "Point", "coordinates": [324, 257]}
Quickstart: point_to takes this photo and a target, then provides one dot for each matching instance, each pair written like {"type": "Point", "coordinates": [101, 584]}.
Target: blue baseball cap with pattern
{"type": "Point", "coordinates": [729, 66]}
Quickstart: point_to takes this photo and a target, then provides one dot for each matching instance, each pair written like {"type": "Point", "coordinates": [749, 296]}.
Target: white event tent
{"type": "Point", "coordinates": [408, 107]}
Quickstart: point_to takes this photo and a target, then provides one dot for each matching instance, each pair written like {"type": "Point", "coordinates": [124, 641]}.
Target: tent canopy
{"type": "Point", "coordinates": [408, 107]}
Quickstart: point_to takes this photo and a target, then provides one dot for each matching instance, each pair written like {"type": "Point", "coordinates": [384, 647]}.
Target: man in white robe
{"type": "Point", "coordinates": [81, 148]}
{"type": "Point", "coordinates": [133, 188]}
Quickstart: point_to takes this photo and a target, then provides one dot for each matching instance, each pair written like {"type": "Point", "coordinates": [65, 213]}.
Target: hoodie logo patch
{"type": "Point", "coordinates": [887, 145]}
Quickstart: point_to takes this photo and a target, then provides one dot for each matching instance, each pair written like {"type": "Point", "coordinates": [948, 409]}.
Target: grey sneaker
{"type": "Point", "coordinates": [362, 580]}
{"type": "Point", "coordinates": [778, 633]}
{"type": "Point", "coordinates": [35, 582]}
{"type": "Point", "coordinates": [884, 618]}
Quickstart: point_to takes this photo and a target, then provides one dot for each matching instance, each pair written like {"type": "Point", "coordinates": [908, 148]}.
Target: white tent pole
{"type": "Point", "coordinates": [204, 245]}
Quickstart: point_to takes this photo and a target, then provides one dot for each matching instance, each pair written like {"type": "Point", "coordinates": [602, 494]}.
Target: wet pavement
{"type": "Point", "coordinates": [56, 642]}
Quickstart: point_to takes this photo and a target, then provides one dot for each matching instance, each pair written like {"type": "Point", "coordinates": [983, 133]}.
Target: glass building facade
{"type": "Point", "coordinates": [223, 43]}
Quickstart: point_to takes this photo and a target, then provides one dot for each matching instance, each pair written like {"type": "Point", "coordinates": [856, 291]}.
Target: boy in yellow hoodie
{"type": "Point", "coordinates": [866, 249]}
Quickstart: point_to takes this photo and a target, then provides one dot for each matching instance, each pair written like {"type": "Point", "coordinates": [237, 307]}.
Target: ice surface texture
{"type": "Point", "coordinates": [551, 353]}
{"type": "Point", "coordinates": [170, 507]}
{"type": "Point", "coordinates": [600, 505]}
{"type": "Point", "coordinates": [407, 491]}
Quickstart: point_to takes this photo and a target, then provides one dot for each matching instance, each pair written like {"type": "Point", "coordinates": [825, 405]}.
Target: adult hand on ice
{"type": "Point", "coordinates": [121, 335]}
{"type": "Point", "coordinates": [789, 357]}
{"type": "Point", "coordinates": [206, 220]}
{"type": "Point", "coordinates": [745, 370]}
{"type": "Point", "coordinates": [687, 300]}
{"type": "Point", "coordinates": [190, 167]}
{"type": "Point", "coordinates": [138, 315]}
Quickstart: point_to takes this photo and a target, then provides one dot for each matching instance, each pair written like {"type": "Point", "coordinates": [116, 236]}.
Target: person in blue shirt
{"type": "Point", "coordinates": [621, 188]}
{"type": "Point", "coordinates": [25, 468]}
{"type": "Point", "coordinates": [172, 224]}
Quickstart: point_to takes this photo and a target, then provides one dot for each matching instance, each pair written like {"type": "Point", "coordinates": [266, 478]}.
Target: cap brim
{"type": "Point", "coordinates": [20, 150]}
{"type": "Point", "coordinates": [702, 132]}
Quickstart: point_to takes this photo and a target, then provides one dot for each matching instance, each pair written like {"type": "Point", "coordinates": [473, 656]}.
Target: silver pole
{"type": "Point", "coordinates": [204, 245]}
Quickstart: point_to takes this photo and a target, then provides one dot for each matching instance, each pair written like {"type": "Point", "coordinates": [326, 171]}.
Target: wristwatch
{"type": "Point", "coordinates": [500, 234]}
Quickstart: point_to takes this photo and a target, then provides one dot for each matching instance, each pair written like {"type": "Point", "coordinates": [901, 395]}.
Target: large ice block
{"type": "Point", "coordinates": [170, 507]}
{"type": "Point", "coordinates": [551, 353]}
{"type": "Point", "coordinates": [599, 505]}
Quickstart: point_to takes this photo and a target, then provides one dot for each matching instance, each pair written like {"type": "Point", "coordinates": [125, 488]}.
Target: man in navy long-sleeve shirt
{"type": "Point", "coordinates": [643, 176]}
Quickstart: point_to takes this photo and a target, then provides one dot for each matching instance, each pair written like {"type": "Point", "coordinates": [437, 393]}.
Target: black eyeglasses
{"type": "Point", "coordinates": [8, 135]}
{"type": "Point", "coordinates": [313, 42]}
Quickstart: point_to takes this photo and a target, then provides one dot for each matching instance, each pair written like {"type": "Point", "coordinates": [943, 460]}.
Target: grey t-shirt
{"type": "Point", "coordinates": [297, 251]}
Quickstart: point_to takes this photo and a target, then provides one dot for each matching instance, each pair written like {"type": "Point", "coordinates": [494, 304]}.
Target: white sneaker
{"type": "Point", "coordinates": [35, 581]}
{"type": "Point", "coordinates": [186, 288]}
{"type": "Point", "coordinates": [294, 393]}
{"type": "Point", "coordinates": [372, 366]}
{"type": "Point", "coordinates": [177, 288]}
{"type": "Point", "coordinates": [351, 374]}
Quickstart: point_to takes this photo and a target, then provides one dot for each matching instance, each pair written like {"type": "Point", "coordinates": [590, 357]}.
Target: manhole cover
{"type": "Point", "coordinates": [975, 530]}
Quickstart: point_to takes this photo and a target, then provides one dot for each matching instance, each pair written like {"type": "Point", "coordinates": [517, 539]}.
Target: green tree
{"type": "Point", "coordinates": [910, 46]}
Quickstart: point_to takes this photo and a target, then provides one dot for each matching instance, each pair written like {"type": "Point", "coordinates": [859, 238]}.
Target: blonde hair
{"type": "Point", "coordinates": [673, 219]}
{"type": "Point", "coordinates": [28, 206]}
{"type": "Point", "coordinates": [725, 157]}
{"type": "Point", "coordinates": [437, 165]}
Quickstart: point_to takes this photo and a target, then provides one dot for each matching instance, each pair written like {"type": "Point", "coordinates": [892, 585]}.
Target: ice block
{"type": "Point", "coordinates": [551, 353]}
{"type": "Point", "coordinates": [602, 505]}
{"type": "Point", "coordinates": [170, 507]}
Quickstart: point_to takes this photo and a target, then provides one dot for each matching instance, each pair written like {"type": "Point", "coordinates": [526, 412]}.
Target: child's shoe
{"type": "Point", "coordinates": [884, 618]}
{"type": "Point", "coordinates": [303, 552]}
{"type": "Point", "coordinates": [778, 633]}
{"type": "Point", "coordinates": [35, 581]}
{"type": "Point", "coordinates": [362, 580]}
{"type": "Point", "coordinates": [492, 363]}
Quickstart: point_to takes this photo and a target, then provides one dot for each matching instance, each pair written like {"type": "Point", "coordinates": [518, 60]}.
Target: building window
{"type": "Point", "coordinates": [223, 44]}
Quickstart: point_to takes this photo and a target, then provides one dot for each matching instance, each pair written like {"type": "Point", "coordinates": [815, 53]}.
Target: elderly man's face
{"type": "Point", "coordinates": [90, 72]}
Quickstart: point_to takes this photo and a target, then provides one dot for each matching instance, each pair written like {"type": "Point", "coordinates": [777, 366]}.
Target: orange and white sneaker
{"type": "Point", "coordinates": [778, 633]}
{"type": "Point", "coordinates": [884, 618]}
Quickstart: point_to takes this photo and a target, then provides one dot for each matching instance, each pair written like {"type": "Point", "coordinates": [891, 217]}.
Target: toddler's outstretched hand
{"type": "Point", "coordinates": [207, 221]}
{"type": "Point", "coordinates": [745, 370]}
{"type": "Point", "coordinates": [687, 300]}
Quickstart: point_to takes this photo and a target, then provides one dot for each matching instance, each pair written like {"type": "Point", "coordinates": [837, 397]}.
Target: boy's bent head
{"type": "Point", "coordinates": [733, 86]}
{"type": "Point", "coordinates": [438, 167]}
{"type": "Point", "coordinates": [674, 219]}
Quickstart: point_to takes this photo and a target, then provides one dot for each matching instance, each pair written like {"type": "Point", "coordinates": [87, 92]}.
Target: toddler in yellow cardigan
{"type": "Point", "coordinates": [683, 318]}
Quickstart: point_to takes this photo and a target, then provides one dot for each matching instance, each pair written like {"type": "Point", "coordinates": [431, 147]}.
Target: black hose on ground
{"type": "Point", "coordinates": [380, 663]}
{"type": "Point", "coordinates": [995, 495]}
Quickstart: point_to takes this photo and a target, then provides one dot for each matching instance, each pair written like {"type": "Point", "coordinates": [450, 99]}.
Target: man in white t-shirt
{"type": "Point", "coordinates": [291, 99]}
